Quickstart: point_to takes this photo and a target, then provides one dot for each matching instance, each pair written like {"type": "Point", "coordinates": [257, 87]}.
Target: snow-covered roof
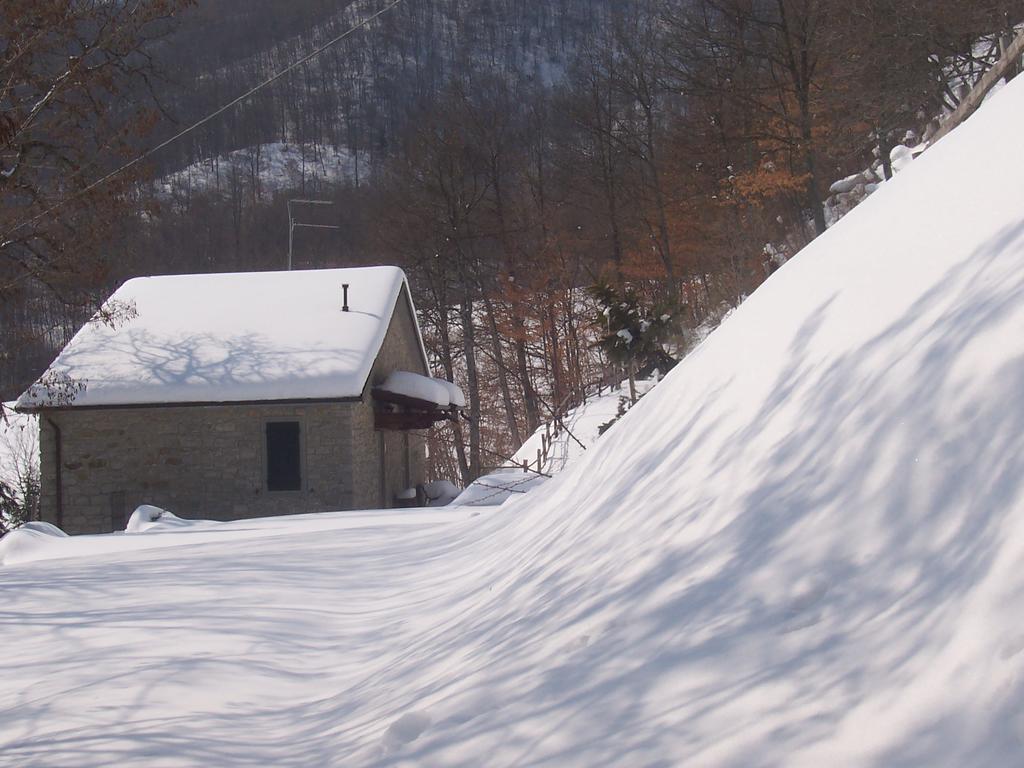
{"type": "Point", "coordinates": [455, 394]}
{"type": "Point", "coordinates": [439, 392]}
{"type": "Point", "coordinates": [235, 337]}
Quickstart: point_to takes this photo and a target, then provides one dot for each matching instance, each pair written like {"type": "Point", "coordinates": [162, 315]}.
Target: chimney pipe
{"type": "Point", "coordinates": [344, 300]}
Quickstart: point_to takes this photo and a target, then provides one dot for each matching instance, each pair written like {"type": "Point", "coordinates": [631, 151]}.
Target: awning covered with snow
{"type": "Point", "coordinates": [407, 400]}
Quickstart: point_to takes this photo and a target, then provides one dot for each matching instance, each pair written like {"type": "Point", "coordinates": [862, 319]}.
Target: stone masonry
{"type": "Point", "coordinates": [196, 461]}
{"type": "Point", "coordinates": [399, 352]}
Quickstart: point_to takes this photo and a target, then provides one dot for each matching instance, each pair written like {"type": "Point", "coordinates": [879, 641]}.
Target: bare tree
{"type": "Point", "coordinates": [70, 77]}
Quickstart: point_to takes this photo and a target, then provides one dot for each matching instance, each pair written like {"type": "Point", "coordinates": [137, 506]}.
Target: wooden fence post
{"type": "Point", "coordinates": [1011, 54]}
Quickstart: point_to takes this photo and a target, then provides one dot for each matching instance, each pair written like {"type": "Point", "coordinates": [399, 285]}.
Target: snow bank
{"type": "Point", "coordinates": [22, 543]}
{"type": "Point", "coordinates": [802, 548]}
{"type": "Point", "coordinates": [440, 493]}
{"type": "Point", "coordinates": [149, 518]}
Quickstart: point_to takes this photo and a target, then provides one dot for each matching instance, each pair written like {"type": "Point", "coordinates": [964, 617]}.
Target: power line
{"type": "Point", "coordinates": [199, 123]}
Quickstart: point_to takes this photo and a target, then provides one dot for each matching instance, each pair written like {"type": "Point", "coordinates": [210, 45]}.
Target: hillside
{"type": "Point", "coordinates": [802, 548]}
{"type": "Point", "coordinates": [358, 97]}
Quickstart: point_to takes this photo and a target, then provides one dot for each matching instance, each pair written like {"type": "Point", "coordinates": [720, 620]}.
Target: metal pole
{"type": "Point", "coordinates": [291, 234]}
{"type": "Point", "coordinates": [292, 224]}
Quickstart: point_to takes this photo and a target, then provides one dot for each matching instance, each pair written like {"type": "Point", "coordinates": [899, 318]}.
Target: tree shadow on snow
{"type": "Point", "coordinates": [734, 632]}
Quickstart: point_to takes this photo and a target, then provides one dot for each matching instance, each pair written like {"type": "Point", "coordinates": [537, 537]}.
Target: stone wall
{"type": "Point", "coordinates": [399, 352]}
{"type": "Point", "coordinates": [372, 489]}
{"type": "Point", "coordinates": [365, 458]}
{"type": "Point", "coordinates": [196, 461]}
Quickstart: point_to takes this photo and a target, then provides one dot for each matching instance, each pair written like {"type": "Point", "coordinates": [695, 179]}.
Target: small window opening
{"type": "Point", "coordinates": [284, 468]}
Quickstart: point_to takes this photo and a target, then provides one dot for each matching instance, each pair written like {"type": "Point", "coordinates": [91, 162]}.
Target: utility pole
{"type": "Point", "coordinates": [292, 223]}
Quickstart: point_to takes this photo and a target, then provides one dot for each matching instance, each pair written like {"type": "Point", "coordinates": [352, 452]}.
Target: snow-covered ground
{"type": "Point", "coordinates": [174, 532]}
{"type": "Point", "coordinates": [583, 427]}
{"type": "Point", "coordinates": [497, 487]}
{"type": "Point", "coordinates": [802, 548]}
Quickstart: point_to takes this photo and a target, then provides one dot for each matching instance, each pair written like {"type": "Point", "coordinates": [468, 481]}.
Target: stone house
{"type": "Point", "coordinates": [228, 396]}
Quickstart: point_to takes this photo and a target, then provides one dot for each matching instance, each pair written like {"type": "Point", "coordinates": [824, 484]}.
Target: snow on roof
{"type": "Point", "coordinates": [416, 386]}
{"type": "Point", "coordinates": [437, 391]}
{"type": "Point", "coordinates": [232, 337]}
{"type": "Point", "coordinates": [455, 394]}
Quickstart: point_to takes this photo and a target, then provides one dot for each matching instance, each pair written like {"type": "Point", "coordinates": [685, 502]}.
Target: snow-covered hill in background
{"type": "Point", "coordinates": [361, 94]}
{"type": "Point", "coordinates": [267, 167]}
{"type": "Point", "coordinates": [802, 548]}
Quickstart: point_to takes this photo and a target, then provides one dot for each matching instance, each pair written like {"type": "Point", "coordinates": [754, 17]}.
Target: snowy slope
{"type": "Point", "coordinates": [275, 166]}
{"type": "Point", "coordinates": [583, 428]}
{"type": "Point", "coordinates": [803, 548]}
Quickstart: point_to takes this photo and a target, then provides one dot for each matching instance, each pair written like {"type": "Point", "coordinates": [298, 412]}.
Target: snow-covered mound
{"type": "Point", "coordinates": [803, 548]}
{"type": "Point", "coordinates": [23, 543]}
{"type": "Point", "coordinates": [496, 488]}
{"type": "Point", "coordinates": [440, 493]}
{"type": "Point", "coordinates": [149, 518]}
{"type": "Point", "coordinates": [437, 493]}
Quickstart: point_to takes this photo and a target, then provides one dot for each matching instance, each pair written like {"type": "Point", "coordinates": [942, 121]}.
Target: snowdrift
{"type": "Point", "coordinates": [803, 548]}
{"type": "Point", "coordinates": [24, 542]}
{"type": "Point", "coordinates": [498, 487]}
{"type": "Point", "coordinates": [148, 518]}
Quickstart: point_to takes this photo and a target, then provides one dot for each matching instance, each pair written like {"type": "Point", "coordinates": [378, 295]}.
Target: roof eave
{"type": "Point", "coordinates": [36, 409]}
